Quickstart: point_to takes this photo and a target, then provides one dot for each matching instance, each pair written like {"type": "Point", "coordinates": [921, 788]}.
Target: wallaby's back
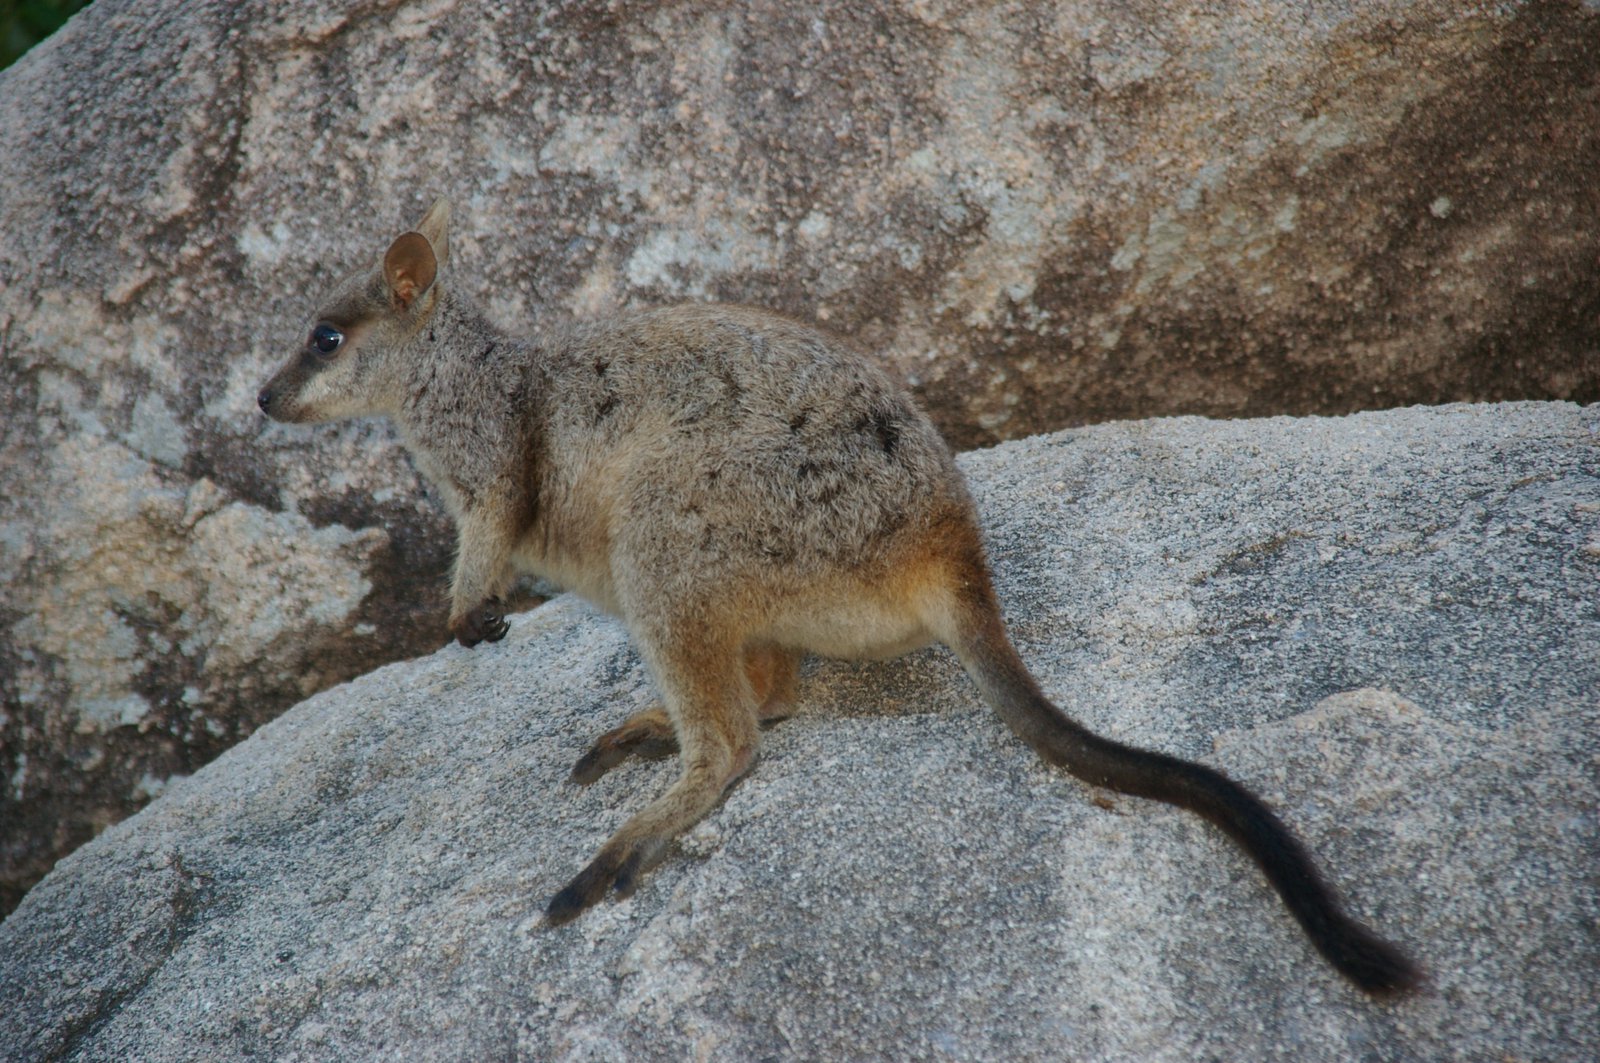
{"type": "Point", "coordinates": [757, 446]}
{"type": "Point", "coordinates": [756, 415]}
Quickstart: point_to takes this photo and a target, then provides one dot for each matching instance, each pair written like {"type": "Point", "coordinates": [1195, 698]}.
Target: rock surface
{"type": "Point", "coordinates": [1386, 623]}
{"type": "Point", "coordinates": [1040, 213]}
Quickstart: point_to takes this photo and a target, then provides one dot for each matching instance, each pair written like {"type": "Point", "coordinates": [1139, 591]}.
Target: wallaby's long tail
{"type": "Point", "coordinates": [1356, 952]}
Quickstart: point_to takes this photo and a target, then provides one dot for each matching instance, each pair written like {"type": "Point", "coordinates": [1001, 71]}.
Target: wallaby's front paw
{"type": "Point", "coordinates": [615, 868]}
{"type": "Point", "coordinates": [485, 623]}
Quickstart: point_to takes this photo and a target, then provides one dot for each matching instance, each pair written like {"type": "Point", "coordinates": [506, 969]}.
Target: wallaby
{"type": "Point", "coordinates": [739, 489]}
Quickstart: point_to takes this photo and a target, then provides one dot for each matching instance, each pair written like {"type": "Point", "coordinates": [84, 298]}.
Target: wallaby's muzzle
{"type": "Point", "coordinates": [280, 398]}
{"type": "Point", "coordinates": [271, 400]}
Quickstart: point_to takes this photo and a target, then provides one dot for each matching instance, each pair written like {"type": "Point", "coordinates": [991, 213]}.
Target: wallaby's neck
{"type": "Point", "coordinates": [469, 396]}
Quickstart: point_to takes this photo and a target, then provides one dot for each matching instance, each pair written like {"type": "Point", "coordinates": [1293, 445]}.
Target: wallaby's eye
{"type": "Point", "coordinates": [326, 339]}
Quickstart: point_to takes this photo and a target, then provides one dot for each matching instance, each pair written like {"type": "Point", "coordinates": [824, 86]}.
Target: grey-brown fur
{"type": "Point", "coordinates": [739, 489]}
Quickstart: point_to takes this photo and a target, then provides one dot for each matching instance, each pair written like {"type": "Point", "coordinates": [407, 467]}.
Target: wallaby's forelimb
{"type": "Point", "coordinates": [486, 533]}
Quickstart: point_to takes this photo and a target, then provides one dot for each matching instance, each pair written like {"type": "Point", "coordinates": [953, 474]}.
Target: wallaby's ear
{"type": "Point", "coordinates": [410, 268]}
{"type": "Point", "coordinates": [435, 225]}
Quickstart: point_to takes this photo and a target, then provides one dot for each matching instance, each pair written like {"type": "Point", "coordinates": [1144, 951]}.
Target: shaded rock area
{"type": "Point", "coordinates": [1386, 623]}
{"type": "Point", "coordinates": [1040, 214]}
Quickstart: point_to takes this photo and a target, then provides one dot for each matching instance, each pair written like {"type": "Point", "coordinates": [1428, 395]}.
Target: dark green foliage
{"type": "Point", "coordinates": [24, 23]}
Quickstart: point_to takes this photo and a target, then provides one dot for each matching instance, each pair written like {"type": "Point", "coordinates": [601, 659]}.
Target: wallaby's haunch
{"type": "Point", "coordinates": [740, 490]}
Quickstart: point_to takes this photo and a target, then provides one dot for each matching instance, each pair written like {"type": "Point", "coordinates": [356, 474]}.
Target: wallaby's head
{"type": "Point", "coordinates": [345, 367]}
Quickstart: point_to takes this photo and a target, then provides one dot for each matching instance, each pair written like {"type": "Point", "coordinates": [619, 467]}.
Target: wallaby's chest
{"type": "Point", "coordinates": [569, 539]}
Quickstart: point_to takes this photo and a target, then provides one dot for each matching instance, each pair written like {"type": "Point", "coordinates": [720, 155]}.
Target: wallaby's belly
{"type": "Point", "coordinates": [852, 631]}
{"type": "Point", "coordinates": [590, 582]}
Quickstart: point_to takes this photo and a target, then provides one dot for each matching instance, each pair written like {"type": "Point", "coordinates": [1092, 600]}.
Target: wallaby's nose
{"type": "Point", "coordinates": [264, 399]}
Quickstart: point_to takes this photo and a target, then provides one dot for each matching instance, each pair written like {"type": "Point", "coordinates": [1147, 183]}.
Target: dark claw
{"type": "Point", "coordinates": [486, 623]}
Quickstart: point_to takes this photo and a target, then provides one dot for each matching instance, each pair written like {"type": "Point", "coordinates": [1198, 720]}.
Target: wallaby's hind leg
{"type": "Point", "coordinates": [649, 735]}
{"type": "Point", "coordinates": [772, 673]}
{"type": "Point", "coordinates": [713, 711]}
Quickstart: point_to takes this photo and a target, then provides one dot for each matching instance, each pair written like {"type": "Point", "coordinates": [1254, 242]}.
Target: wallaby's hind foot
{"type": "Point", "coordinates": [647, 735]}
{"type": "Point", "coordinates": [643, 840]}
{"type": "Point", "coordinates": [712, 705]}
{"type": "Point", "coordinates": [615, 867]}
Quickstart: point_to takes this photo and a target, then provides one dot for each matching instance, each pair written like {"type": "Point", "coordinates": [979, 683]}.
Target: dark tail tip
{"type": "Point", "coordinates": [1374, 965]}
